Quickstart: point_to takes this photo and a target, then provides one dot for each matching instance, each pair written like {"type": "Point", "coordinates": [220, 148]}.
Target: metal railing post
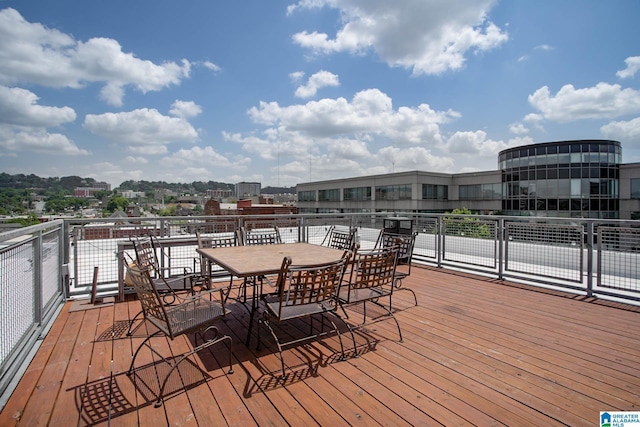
{"type": "Point", "coordinates": [76, 261]}
{"type": "Point", "coordinates": [439, 240]}
{"type": "Point", "coordinates": [302, 230]}
{"type": "Point", "coordinates": [590, 231]}
{"type": "Point", "coordinates": [37, 278]}
{"type": "Point", "coordinates": [63, 264]}
{"type": "Point", "coordinates": [501, 234]}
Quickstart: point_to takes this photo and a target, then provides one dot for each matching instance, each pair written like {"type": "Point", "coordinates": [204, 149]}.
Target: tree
{"type": "Point", "coordinates": [117, 203]}
{"type": "Point", "coordinates": [468, 226]}
{"type": "Point", "coordinates": [100, 194]}
{"type": "Point", "coordinates": [168, 211]}
{"type": "Point", "coordinates": [55, 205]}
{"type": "Point", "coordinates": [31, 219]}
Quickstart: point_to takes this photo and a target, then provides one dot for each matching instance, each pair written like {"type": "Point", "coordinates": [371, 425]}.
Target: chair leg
{"type": "Point", "coordinates": [208, 343]}
{"type": "Point", "coordinates": [397, 285]}
{"type": "Point", "coordinates": [335, 327]}
{"type": "Point", "coordinates": [390, 313]}
{"type": "Point", "coordinates": [130, 330]}
{"type": "Point", "coordinates": [265, 321]}
{"type": "Point", "coordinates": [353, 337]}
{"type": "Point", "coordinates": [217, 337]}
{"type": "Point", "coordinates": [145, 342]}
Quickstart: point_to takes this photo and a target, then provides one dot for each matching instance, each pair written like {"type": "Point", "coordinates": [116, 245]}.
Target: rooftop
{"type": "Point", "coordinates": [476, 351]}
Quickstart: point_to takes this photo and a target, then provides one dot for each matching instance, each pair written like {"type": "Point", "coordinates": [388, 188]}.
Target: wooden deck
{"type": "Point", "coordinates": [476, 351]}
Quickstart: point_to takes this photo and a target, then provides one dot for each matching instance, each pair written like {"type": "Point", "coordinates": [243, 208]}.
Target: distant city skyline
{"type": "Point", "coordinates": [289, 92]}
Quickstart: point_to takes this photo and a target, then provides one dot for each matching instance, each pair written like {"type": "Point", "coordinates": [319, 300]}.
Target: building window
{"type": "Point", "coordinates": [393, 192]}
{"type": "Point", "coordinates": [435, 192]}
{"type": "Point", "coordinates": [491, 191]}
{"type": "Point", "coordinates": [332, 195]}
{"type": "Point", "coordinates": [307, 196]}
{"type": "Point", "coordinates": [635, 188]}
{"type": "Point", "coordinates": [566, 178]}
{"type": "Point", "coordinates": [357, 193]}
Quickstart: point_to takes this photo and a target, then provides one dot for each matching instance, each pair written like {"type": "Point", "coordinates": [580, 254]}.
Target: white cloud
{"type": "Point", "coordinates": [20, 107]}
{"type": "Point", "coordinates": [136, 160]}
{"type": "Point", "coordinates": [275, 142]}
{"type": "Point", "coordinates": [24, 123]}
{"type": "Point", "coordinates": [33, 53]}
{"type": "Point", "coordinates": [633, 65]}
{"type": "Point", "coordinates": [543, 47]}
{"type": "Point", "coordinates": [601, 101]}
{"type": "Point", "coordinates": [38, 141]}
{"type": "Point", "coordinates": [317, 81]}
{"type": "Point", "coordinates": [211, 66]}
{"type": "Point", "coordinates": [518, 128]}
{"type": "Point", "coordinates": [369, 112]}
{"type": "Point", "coordinates": [413, 158]}
{"type": "Point", "coordinates": [144, 130]}
{"type": "Point", "coordinates": [185, 109]}
{"type": "Point", "coordinates": [474, 145]}
{"type": "Point", "coordinates": [429, 37]}
{"type": "Point", "coordinates": [519, 140]}
{"type": "Point", "coordinates": [296, 76]}
{"type": "Point", "coordinates": [349, 149]}
{"type": "Point", "coordinates": [195, 156]}
{"type": "Point", "coordinates": [628, 131]}
{"type": "Point", "coordinates": [333, 138]}
{"type": "Point", "coordinates": [200, 164]}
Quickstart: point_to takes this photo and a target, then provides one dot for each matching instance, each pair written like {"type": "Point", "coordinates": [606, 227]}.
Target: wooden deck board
{"type": "Point", "coordinates": [476, 351]}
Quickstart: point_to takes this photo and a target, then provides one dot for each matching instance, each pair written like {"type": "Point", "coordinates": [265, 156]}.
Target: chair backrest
{"type": "Point", "coordinates": [151, 302]}
{"type": "Point", "coordinates": [261, 236]}
{"type": "Point", "coordinates": [405, 243]}
{"type": "Point", "coordinates": [146, 255]}
{"type": "Point", "coordinates": [374, 269]}
{"type": "Point", "coordinates": [215, 242]}
{"type": "Point", "coordinates": [340, 239]}
{"type": "Point", "coordinates": [300, 285]}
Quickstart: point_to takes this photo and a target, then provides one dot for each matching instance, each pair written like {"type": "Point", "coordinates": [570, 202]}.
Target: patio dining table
{"type": "Point", "coordinates": [254, 262]}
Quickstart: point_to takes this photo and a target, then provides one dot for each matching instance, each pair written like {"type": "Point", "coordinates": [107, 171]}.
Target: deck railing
{"type": "Point", "coordinates": [41, 266]}
{"type": "Point", "coordinates": [31, 290]}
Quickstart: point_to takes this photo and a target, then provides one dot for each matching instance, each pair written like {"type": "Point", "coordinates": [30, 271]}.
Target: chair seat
{"type": "Point", "coordinates": [272, 303]}
{"type": "Point", "coordinates": [364, 294]}
{"type": "Point", "coordinates": [170, 283]}
{"type": "Point", "coordinates": [185, 317]}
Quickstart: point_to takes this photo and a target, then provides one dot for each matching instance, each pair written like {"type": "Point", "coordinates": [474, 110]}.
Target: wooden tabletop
{"type": "Point", "coordinates": [258, 260]}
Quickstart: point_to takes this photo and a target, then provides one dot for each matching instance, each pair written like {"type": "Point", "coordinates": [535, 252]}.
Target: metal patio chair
{"type": "Point", "coordinates": [304, 291]}
{"type": "Point", "coordinates": [147, 250]}
{"type": "Point", "coordinates": [371, 278]}
{"type": "Point", "coordinates": [206, 274]}
{"type": "Point", "coordinates": [167, 286]}
{"type": "Point", "coordinates": [260, 236]}
{"type": "Point", "coordinates": [193, 314]}
{"type": "Point", "coordinates": [405, 243]}
{"type": "Point", "coordinates": [340, 239]}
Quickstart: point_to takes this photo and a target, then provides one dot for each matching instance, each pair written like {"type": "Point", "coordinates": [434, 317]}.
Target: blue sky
{"type": "Point", "coordinates": [283, 92]}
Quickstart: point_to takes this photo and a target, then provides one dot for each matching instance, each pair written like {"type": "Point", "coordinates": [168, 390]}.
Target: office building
{"type": "Point", "coordinates": [248, 189]}
{"type": "Point", "coordinates": [579, 179]}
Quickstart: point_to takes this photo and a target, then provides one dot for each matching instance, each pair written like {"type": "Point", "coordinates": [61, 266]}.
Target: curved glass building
{"type": "Point", "coordinates": [578, 179]}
